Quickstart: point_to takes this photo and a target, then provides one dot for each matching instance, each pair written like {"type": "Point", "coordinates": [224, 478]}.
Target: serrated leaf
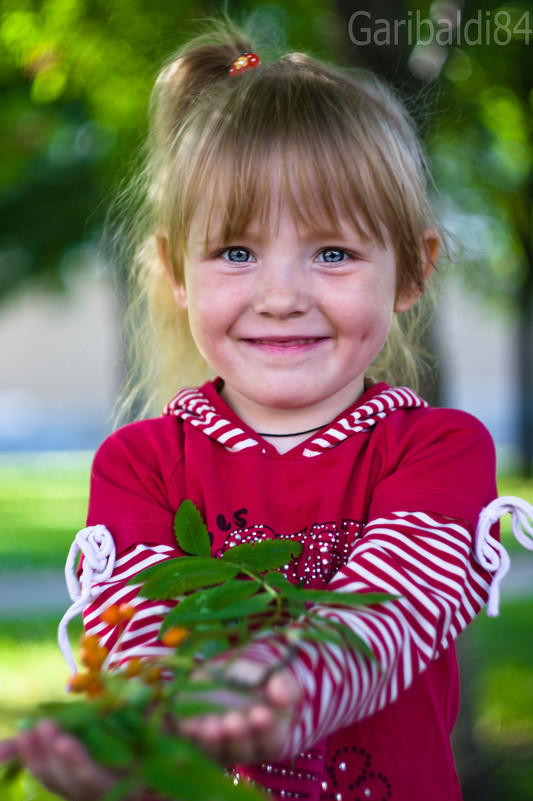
{"type": "Point", "coordinates": [187, 574]}
{"type": "Point", "coordinates": [230, 592]}
{"type": "Point", "coordinates": [333, 598]}
{"type": "Point", "coordinates": [263, 555]}
{"type": "Point", "coordinates": [277, 580]}
{"type": "Point", "coordinates": [161, 569]}
{"type": "Point", "coordinates": [187, 617]}
{"type": "Point", "coordinates": [190, 530]}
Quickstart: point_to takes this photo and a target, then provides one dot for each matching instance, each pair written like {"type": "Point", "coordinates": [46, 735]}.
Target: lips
{"type": "Point", "coordinates": [286, 343]}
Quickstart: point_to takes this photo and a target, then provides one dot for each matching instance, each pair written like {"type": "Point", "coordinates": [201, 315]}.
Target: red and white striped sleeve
{"type": "Point", "coordinates": [138, 637]}
{"type": "Point", "coordinates": [425, 559]}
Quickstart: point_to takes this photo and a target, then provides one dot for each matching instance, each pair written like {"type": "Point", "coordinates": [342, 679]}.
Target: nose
{"type": "Point", "coordinates": [282, 289]}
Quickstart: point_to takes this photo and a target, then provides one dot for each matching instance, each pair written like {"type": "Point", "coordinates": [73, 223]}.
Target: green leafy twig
{"type": "Point", "coordinates": [223, 603]}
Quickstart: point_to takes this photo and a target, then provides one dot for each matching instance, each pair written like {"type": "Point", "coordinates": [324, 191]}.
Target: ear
{"type": "Point", "coordinates": [178, 287]}
{"type": "Point", "coordinates": [429, 254]}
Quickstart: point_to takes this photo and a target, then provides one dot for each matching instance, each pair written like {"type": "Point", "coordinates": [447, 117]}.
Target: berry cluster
{"type": "Point", "coordinates": [93, 655]}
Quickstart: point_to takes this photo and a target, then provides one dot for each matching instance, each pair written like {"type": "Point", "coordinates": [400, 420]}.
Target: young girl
{"type": "Point", "coordinates": [287, 224]}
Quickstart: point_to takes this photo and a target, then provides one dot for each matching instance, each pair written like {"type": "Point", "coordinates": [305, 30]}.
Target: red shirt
{"type": "Point", "coordinates": [386, 498]}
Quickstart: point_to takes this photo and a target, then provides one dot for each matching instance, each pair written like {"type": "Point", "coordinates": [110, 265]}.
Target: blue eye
{"type": "Point", "coordinates": [333, 255]}
{"type": "Point", "coordinates": [237, 255]}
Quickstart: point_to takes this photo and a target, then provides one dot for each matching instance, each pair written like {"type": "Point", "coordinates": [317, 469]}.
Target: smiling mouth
{"type": "Point", "coordinates": [286, 343]}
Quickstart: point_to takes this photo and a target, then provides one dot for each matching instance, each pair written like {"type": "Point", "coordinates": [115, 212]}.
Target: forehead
{"type": "Point", "coordinates": [259, 203]}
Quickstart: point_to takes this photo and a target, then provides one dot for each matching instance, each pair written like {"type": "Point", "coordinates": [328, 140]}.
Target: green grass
{"type": "Point", "coordinates": [43, 503]}
{"type": "Point", "coordinates": [32, 671]}
{"type": "Point", "coordinates": [498, 663]}
{"type": "Point", "coordinates": [522, 488]}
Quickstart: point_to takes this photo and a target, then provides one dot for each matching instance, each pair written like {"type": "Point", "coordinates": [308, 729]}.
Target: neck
{"type": "Point", "coordinates": [286, 427]}
{"type": "Point", "coordinates": [285, 443]}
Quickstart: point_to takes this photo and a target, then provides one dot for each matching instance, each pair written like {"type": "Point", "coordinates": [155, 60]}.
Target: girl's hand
{"type": "Point", "coordinates": [253, 727]}
{"type": "Point", "coordinates": [60, 762]}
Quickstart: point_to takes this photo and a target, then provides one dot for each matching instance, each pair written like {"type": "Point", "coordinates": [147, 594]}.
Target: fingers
{"type": "Point", "coordinates": [228, 738]}
{"type": "Point", "coordinates": [252, 729]}
{"type": "Point", "coordinates": [62, 764]}
{"type": "Point", "coordinates": [283, 691]}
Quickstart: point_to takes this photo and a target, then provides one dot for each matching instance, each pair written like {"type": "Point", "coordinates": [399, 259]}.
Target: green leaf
{"type": "Point", "coordinates": [295, 607]}
{"type": "Point", "coordinates": [191, 707]}
{"type": "Point", "coordinates": [213, 647]}
{"type": "Point", "coordinates": [122, 789]}
{"type": "Point", "coordinates": [205, 642]}
{"type": "Point", "coordinates": [180, 616]}
{"type": "Point", "coordinates": [10, 770]}
{"type": "Point", "coordinates": [277, 580]}
{"type": "Point", "coordinates": [179, 769]}
{"type": "Point", "coordinates": [185, 574]}
{"type": "Point", "coordinates": [106, 747]}
{"type": "Point", "coordinates": [72, 716]}
{"type": "Point", "coordinates": [263, 555]}
{"type": "Point", "coordinates": [169, 566]}
{"type": "Point", "coordinates": [230, 592]}
{"type": "Point", "coordinates": [191, 532]}
{"type": "Point", "coordinates": [333, 598]}
{"type": "Point", "coordinates": [127, 723]}
{"type": "Point", "coordinates": [345, 634]}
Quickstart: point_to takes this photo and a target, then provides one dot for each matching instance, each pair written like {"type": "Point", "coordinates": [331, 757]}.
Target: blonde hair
{"type": "Point", "coordinates": [214, 142]}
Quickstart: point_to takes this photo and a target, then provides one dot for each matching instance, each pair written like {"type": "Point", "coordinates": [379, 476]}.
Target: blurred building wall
{"type": "Point", "coordinates": [477, 344]}
{"type": "Point", "coordinates": [59, 366]}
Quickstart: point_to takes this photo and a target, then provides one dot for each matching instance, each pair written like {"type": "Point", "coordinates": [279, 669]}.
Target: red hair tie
{"type": "Point", "coordinates": [246, 61]}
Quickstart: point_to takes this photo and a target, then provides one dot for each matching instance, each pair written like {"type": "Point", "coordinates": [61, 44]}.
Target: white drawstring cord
{"type": "Point", "coordinates": [98, 549]}
{"type": "Point", "coordinates": [490, 553]}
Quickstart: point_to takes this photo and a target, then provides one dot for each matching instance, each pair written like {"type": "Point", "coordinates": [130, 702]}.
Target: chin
{"type": "Point", "coordinates": [287, 401]}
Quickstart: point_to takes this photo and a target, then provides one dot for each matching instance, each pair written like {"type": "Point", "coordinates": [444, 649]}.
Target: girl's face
{"type": "Point", "coordinates": [291, 318]}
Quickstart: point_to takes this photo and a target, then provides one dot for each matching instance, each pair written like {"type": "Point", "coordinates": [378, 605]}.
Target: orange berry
{"type": "Point", "coordinates": [174, 636]}
{"type": "Point", "coordinates": [111, 615]}
{"type": "Point", "coordinates": [88, 682]}
{"type": "Point", "coordinates": [93, 657]}
{"type": "Point", "coordinates": [126, 611]}
{"type": "Point", "coordinates": [78, 682]}
{"type": "Point", "coordinates": [134, 667]}
{"type": "Point", "coordinates": [152, 675]}
{"type": "Point", "coordinates": [89, 641]}
{"type": "Point", "coordinates": [94, 686]}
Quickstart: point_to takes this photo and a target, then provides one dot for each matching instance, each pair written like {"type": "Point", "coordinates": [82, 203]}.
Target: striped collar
{"type": "Point", "coordinates": [194, 406]}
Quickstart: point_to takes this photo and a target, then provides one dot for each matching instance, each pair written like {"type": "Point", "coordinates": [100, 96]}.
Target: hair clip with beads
{"type": "Point", "coordinates": [246, 61]}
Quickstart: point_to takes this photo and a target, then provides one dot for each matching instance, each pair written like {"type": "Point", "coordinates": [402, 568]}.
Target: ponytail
{"type": "Point", "coordinates": [204, 61]}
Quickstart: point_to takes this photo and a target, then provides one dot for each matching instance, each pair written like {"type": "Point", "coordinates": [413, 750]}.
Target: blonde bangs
{"type": "Point", "coordinates": [268, 137]}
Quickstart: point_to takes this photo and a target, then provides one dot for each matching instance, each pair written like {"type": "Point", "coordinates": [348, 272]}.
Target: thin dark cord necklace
{"type": "Point", "coordinates": [294, 434]}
